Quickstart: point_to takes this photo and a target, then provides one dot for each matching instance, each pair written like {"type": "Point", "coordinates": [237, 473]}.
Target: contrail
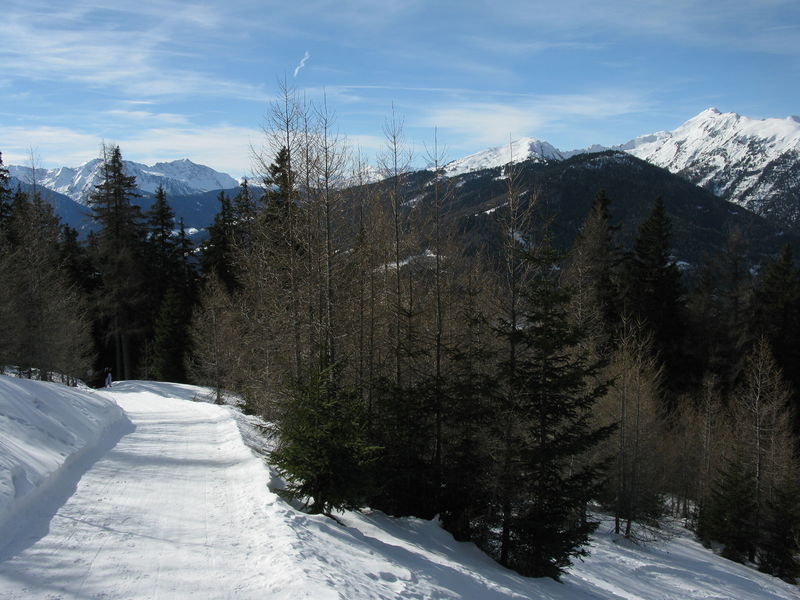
{"type": "Point", "coordinates": [302, 64]}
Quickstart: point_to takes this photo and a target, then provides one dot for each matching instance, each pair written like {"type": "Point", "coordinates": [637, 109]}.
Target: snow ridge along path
{"type": "Point", "coordinates": [179, 507]}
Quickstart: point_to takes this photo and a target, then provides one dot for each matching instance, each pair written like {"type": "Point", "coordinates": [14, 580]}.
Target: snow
{"type": "Point", "coordinates": [44, 428]}
{"type": "Point", "coordinates": [517, 151]}
{"type": "Point", "coordinates": [726, 153]}
{"type": "Point", "coordinates": [179, 177]}
{"type": "Point", "coordinates": [175, 505]}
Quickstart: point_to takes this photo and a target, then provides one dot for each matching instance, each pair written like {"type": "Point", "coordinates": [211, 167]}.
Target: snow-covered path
{"type": "Point", "coordinates": [172, 504]}
{"type": "Point", "coordinates": [174, 510]}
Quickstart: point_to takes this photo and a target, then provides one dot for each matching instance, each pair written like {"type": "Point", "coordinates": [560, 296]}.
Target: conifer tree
{"type": "Point", "coordinates": [555, 392]}
{"type": "Point", "coordinates": [779, 552]}
{"type": "Point", "coordinates": [76, 261]}
{"type": "Point", "coordinates": [5, 198]}
{"type": "Point", "coordinates": [217, 255]}
{"type": "Point", "coordinates": [322, 449]}
{"type": "Point", "coordinates": [161, 242]}
{"type": "Point", "coordinates": [120, 261]}
{"type": "Point", "coordinates": [776, 315]}
{"type": "Point", "coordinates": [655, 291]}
{"type": "Point", "coordinates": [43, 323]}
{"type": "Point", "coordinates": [730, 515]}
{"type": "Point", "coordinates": [170, 338]}
{"type": "Point", "coordinates": [591, 271]}
{"type": "Point", "coordinates": [636, 479]}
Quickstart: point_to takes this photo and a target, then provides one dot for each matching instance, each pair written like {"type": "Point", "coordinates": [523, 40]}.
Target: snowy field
{"type": "Point", "coordinates": [165, 500]}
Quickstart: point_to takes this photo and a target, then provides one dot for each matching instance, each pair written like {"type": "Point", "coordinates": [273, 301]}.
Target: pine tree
{"type": "Point", "coordinates": [555, 391]}
{"type": "Point", "coordinates": [654, 294]}
{"type": "Point", "coordinates": [5, 199]}
{"type": "Point", "coordinates": [779, 552]}
{"type": "Point", "coordinates": [592, 272]}
{"type": "Point", "coordinates": [170, 339]}
{"type": "Point", "coordinates": [730, 516]}
{"type": "Point", "coordinates": [776, 315]}
{"type": "Point", "coordinates": [281, 180]}
{"type": "Point", "coordinates": [322, 450]}
{"type": "Point", "coordinates": [217, 254]}
{"type": "Point", "coordinates": [43, 325]}
{"type": "Point", "coordinates": [76, 261]}
{"type": "Point", "coordinates": [161, 242]}
{"type": "Point", "coordinates": [120, 261]}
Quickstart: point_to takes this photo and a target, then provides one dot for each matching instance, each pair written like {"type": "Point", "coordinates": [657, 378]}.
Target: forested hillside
{"type": "Point", "coordinates": [403, 333]}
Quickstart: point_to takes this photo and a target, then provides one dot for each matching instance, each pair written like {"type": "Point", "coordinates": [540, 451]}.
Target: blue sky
{"type": "Point", "coordinates": [169, 79]}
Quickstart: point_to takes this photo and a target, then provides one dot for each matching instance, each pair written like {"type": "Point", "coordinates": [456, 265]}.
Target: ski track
{"type": "Point", "coordinates": [172, 504]}
{"type": "Point", "coordinates": [175, 510]}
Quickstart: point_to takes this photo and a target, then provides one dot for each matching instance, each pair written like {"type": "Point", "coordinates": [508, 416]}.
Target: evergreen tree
{"type": "Point", "coordinates": [170, 339]}
{"type": "Point", "coordinates": [120, 253]}
{"type": "Point", "coordinates": [592, 271]}
{"type": "Point", "coordinates": [76, 261]}
{"type": "Point", "coordinates": [281, 180]}
{"type": "Point", "coordinates": [554, 394]}
{"type": "Point", "coordinates": [776, 315]}
{"type": "Point", "coordinates": [43, 325]}
{"type": "Point", "coordinates": [217, 252]}
{"type": "Point", "coordinates": [779, 553]}
{"type": "Point", "coordinates": [162, 245]}
{"type": "Point", "coordinates": [730, 516]}
{"type": "Point", "coordinates": [5, 199]}
{"type": "Point", "coordinates": [654, 294]}
{"type": "Point", "coordinates": [322, 450]}
{"type": "Point", "coordinates": [469, 397]}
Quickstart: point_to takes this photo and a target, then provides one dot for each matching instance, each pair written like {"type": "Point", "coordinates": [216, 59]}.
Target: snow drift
{"type": "Point", "coordinates": [45, 428]}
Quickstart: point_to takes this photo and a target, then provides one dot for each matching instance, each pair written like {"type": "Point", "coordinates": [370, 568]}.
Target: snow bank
{"type": "Point", "coordinates": [44, 429]}
{"type": "Point", "coordinates": [182, 508]}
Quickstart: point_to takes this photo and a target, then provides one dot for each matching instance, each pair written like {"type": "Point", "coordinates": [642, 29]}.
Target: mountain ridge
{"type": "Point", "coordinates": [180, 177]}
{"type": "Point", "coordinates": [754, 163]}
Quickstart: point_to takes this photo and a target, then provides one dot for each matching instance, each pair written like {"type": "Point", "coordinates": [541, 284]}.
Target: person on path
{"type": "Point", "coordinates": [108, 377]}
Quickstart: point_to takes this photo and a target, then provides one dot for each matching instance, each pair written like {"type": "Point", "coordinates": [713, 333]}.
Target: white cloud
{"type": "Point", "coordinates": [222, 147]}
{"type": "Point", "coordinates": [131, 57]}
{"type": "Point", "coordinates": [492, 123]}
{"type": "Point", "coordinates": [302, 64]}
{"type": "Point", "coordinates": [148, 117]}
{"type": "Point", "coordinates": [52, 146]}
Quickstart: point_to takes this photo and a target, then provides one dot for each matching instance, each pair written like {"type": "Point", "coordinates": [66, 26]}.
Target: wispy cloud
{"type": "Point", "coordinates": [302, 64]}
{"type": "Point", "coordinates": [223, 147]}
{"type": "Point", "coordinates": [143, 116]}
{"type": "Point", "coordinates": [491, 123]}
{"type": "Point", "coordinates": [76, 46]}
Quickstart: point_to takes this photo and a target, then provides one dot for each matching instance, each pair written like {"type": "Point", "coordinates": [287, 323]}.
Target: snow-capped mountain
{"type": "Point", "coordinates": [752, 162]}
{"type": "Point", "coordinates": [516, 151]}
{"type": "Point", "coordinates": [179, 178]}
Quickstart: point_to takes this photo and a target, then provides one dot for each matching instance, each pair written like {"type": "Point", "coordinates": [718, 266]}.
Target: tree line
{"type": "Point", "coordinates": [515, 391]}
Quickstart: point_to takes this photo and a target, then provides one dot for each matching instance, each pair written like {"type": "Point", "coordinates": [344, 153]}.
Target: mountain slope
{"type": "Point", "coordinates": [517, 151]}
{"type": "Point", "coordinates": [753, 163]}
{"type": "Point", "coordinates": [179, 177]}
{"type": "Point", "coordinates": [750, 162]}
{"type": "Point", "coordinates": [181, 508]}
{"type": "Point", "coordinates": [564, 191]}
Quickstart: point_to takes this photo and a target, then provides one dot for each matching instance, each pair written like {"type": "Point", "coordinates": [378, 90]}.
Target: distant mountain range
{"type": "Point", "coordinates": [179, 178]}
{"type": "Point", "coordinates": [754, 163]}
{"type": "Point", "coordinates": [191, 189]}
{"type": "Point", "coordinates": [749, 162]}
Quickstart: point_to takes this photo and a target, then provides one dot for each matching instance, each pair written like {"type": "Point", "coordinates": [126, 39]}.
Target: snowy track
{"type": "Point", "coordinates": [173, 505]}
{"type": "Point", "coordinates": [172, 511]}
